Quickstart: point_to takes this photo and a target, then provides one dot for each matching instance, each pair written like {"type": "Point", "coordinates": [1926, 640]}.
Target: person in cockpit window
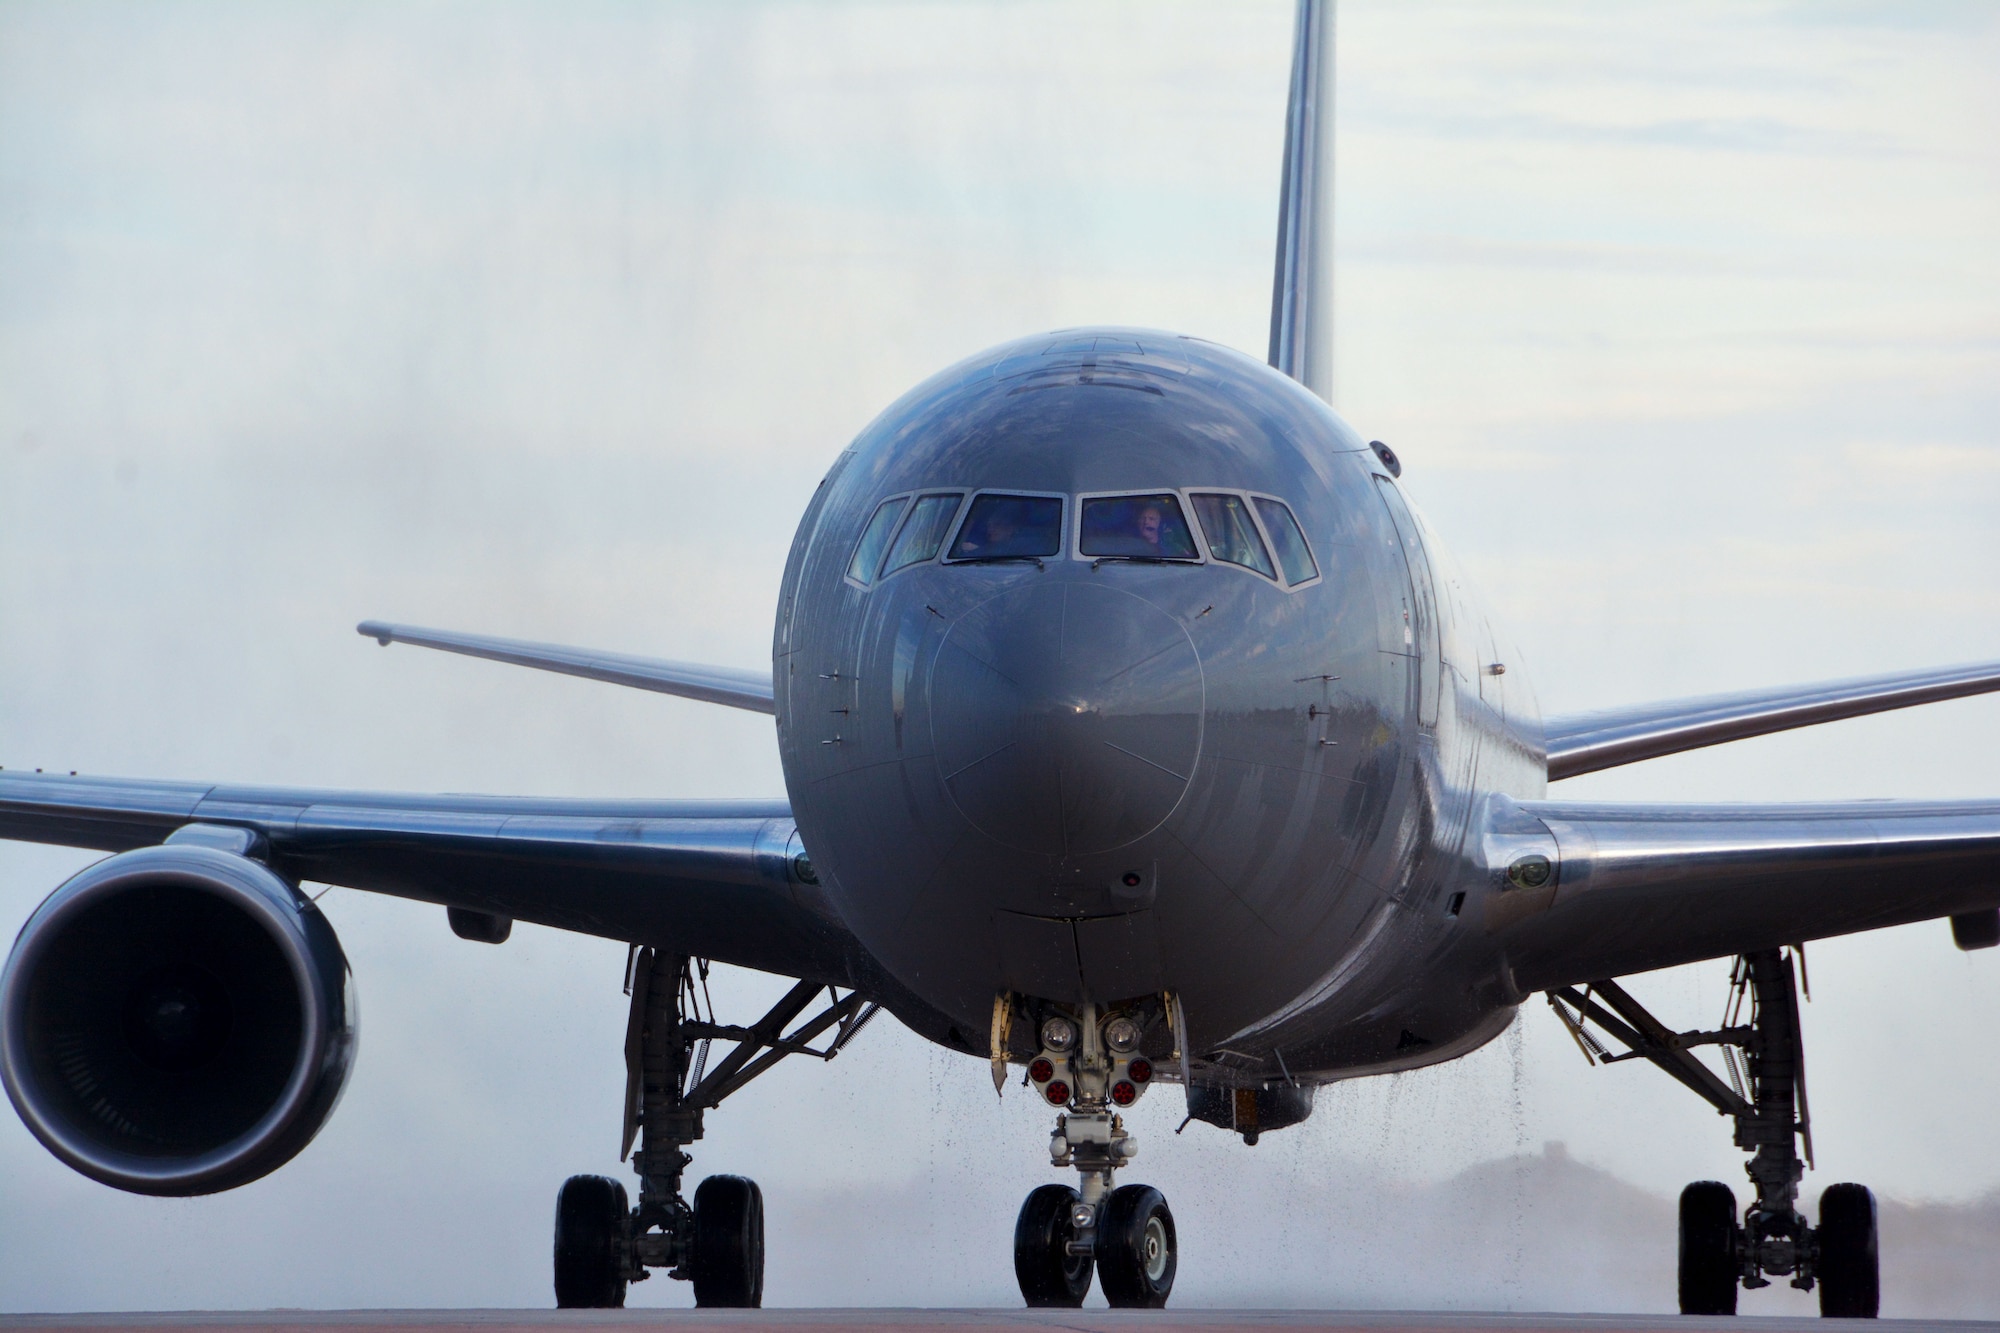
{"type": "Point", "coordinates": [993, 534]}
{"type": "Point", "coordinates": [1146, 527]}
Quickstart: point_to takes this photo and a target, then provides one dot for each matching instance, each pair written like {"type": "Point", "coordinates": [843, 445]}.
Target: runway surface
{"type": "Point", "coordinates": [943, 1321]}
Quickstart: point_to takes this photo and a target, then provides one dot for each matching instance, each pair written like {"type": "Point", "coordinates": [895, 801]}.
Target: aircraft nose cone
{"type": "Point", "coordinates": [1066, 717]}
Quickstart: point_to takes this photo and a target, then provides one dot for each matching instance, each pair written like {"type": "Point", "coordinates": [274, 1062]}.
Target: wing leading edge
{"type": "Point", "coordinates": [722, 880]}
{"type": "Point", "coordinates": [1631, 888]}
{"type": "Point", "coordinates": [731, 686]}
{"type": "Point", "coordinates": [1588, 742]}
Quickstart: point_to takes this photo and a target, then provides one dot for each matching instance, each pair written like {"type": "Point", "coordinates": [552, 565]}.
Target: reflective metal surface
{"type": "Point", "coordinates": [716, 878]}
{"type": "Point", "coordinates": [1588, 742]}
{"type": "Point", "coordinates": [1640, 887]}
{"type": "Point", "coordinates": [254, 999]}
{"type": "Point", "coordinates": [1088, 780]}
{"type": "Point", "coordinates": [691, 680]}
{"type": "Point", "coordinates": [1302, 289]}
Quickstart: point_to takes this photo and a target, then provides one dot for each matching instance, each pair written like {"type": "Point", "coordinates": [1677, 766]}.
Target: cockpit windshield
{"type": "Point", "coordinates": [1136, 527]}
{"type": "Point", "coordinates": [1294, 556]}
{"type": "Point", "coordinates": [868, 554]}
{"type": "Point", "coordinates": [920, 538]}
{"type": "Point", "coordinates": [1231, 532]}
{"type": "Point", "coordinates": [1010, 527]}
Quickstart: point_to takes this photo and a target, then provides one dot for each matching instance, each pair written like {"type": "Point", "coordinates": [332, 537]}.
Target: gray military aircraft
{"type": "Point", "coordinates": [1135, 731]}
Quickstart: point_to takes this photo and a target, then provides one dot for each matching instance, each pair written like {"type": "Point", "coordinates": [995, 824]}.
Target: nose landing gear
{"type": "Point", "coordinates": [1767, 1097]}
{"type": "Point", "coordinates": [1089, 1063]}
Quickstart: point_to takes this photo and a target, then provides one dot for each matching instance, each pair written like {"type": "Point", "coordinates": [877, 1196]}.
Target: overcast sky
{"type": "Point", "coordinates": [544, 320]}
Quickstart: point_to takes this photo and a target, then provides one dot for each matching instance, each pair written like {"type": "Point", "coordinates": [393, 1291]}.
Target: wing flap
{"type": "Point", "coordinates": [1587, 742]}
{"type": "Point", "coordinates": [1643, 887]}
{"type": "Point", "coordinates": [731, 686]}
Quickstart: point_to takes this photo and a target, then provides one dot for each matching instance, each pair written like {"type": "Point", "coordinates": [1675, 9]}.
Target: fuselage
{"type": "Point", "coordinates": [1111, 663]}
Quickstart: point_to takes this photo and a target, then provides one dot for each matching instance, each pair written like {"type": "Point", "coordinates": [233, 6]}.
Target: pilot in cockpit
{"type": "Point", "coordinates": [1136, 527]}
{"type": "Point", "coordinates": [989, 533]}
{"type": "Point", "coordinates": [1146, 527]}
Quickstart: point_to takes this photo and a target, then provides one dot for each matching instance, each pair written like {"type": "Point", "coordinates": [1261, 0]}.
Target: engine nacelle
{"type": "Point", "coordinates": [176, 1020]}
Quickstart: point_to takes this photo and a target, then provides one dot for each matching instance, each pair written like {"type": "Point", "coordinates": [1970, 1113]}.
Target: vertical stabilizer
{"type": "Point", "coordinates": [1302, 291]}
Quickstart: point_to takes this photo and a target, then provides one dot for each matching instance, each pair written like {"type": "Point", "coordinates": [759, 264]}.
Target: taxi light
{"type": "Point", "coordinates": [1057, 1092]}
{"type": "Point", "coordinates": [1124, 1093]}
{"type": "Point", "coordinates": [1140, 1071]}
{"type": "Point", "coordinates": [1041, 1071]}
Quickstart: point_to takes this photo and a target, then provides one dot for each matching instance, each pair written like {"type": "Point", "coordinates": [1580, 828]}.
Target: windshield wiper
{"type": "Point", "coordinates": [1034, 560]}
{"type": "Point", "coordinates": [1147, 560]}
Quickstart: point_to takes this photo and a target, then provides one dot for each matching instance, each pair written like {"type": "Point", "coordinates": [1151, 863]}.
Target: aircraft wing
{"type": "Point", "coordinates": [732, 686]}
{"type": "Point", "coordinates": [1587, 742]}
{"type": "Point", "coordinates": [1637, 887]}
{"type": "Point", "coordinates": [721, 880]}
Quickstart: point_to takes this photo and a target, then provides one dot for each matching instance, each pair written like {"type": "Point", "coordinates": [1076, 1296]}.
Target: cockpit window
{"type": "Point", "coordinates": [1010, 527]}
{"type": "Point", "coordinates": [868, 554]}
{"type": "Point", "coordinates": [1294, 556]}
{"type": "Point", "coordinates": [1136, 527]}
{"type": "Point", "coordinates": [930, 519]}
{"type": "Point", "coordinates": [1232, 534]}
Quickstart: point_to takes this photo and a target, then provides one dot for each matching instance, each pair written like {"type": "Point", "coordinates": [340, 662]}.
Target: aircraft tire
{"type": "Point", "coordinates": [1050, 1276]}
{"type": "Point", "coordinates": [1850, 1272]}
{"type": "Point", "coordinates": [590, 1231]}
{"type": "Point", "coordinates": [1137, 1251]}
{"type": "Point", "coordinates": [1708, 1249]}
{"type": "Point", "coordinates": [728, 1261]}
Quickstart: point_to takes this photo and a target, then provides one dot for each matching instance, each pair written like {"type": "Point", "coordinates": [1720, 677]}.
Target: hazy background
{"type": "Point", "coordinates": [544, 320]}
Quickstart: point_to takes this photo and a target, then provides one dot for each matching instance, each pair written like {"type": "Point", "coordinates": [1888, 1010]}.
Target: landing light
{"type": "Point", "coordinates": [1530, 872]}
{"type": "Point", "coordinates": [1121, 1034]}
{"type": "Point", "coordinates": [1058, 1034]}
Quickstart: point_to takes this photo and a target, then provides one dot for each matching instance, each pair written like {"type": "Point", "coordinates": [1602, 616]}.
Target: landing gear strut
{"type": "Point", "coordinates": [716, 1243]}
{"type": "Point", "coordinates": [1089, 1063]}
{"type": "Point", "coordinates": [1766, 1094]}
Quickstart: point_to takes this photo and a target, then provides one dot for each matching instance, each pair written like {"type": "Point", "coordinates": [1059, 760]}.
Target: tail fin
{"type": "Point", "coordinates": [1302, 290]}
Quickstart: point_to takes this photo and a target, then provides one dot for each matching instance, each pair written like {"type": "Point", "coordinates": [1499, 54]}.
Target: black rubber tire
{"type": "Point", "coordinates": [1708, 1271]}
{"type": "Point", "coordinates": [1050, 1276]}
{"type": "Point", "coordinates": [1137, 1251]}
{"type": "Point", "coordinates": [728, 1262]}
{"type": "Point", "coordinates": [590, 1240]}
{"type": "Point", "coordinates": [1850, 1263]}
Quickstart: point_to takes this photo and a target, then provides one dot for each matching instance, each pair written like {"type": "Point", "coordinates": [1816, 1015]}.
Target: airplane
{"type": "Point", "coordinates": [1135, 730]}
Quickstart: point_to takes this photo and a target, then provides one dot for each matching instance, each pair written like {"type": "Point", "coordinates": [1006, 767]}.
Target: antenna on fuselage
{"type": "Point", "coordinates": [1302, 290]}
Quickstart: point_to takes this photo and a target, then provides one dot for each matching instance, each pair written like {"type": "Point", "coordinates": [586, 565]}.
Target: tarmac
{"type": "Point", "coordinates": [942, 1321]}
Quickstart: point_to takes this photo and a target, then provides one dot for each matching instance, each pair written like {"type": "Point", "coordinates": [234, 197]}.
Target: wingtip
{"type": "Point", "coordinates": [376, 630]}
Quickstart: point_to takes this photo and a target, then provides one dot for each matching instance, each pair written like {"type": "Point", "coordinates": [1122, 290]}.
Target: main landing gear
{"type": "Point", "coordinates": [1089, 1062]}
{"type": "Point", "coordinates": [717, 1243]}
{"type": "Point", "coordinates": [1766, 1094]}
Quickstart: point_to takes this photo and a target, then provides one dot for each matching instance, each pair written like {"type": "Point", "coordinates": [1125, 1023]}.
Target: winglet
{"type": "Point", "coordinates": [729, 686]}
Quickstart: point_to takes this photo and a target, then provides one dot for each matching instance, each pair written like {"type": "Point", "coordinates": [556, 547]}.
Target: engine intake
{"type": "Point", "coordinates": [176, 1020]}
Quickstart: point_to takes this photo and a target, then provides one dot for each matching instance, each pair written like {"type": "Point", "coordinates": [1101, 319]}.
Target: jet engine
{"type": "Point", "coordinates": [176, 1020]}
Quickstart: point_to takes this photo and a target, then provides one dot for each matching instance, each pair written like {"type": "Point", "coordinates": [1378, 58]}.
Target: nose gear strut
{"type": "Point", "coordinates": [1089, 1063]}
{"type": "Point", "coordinates": [717, 1242]}
{"type": "Point", "coordinates": [1766, 1094]}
